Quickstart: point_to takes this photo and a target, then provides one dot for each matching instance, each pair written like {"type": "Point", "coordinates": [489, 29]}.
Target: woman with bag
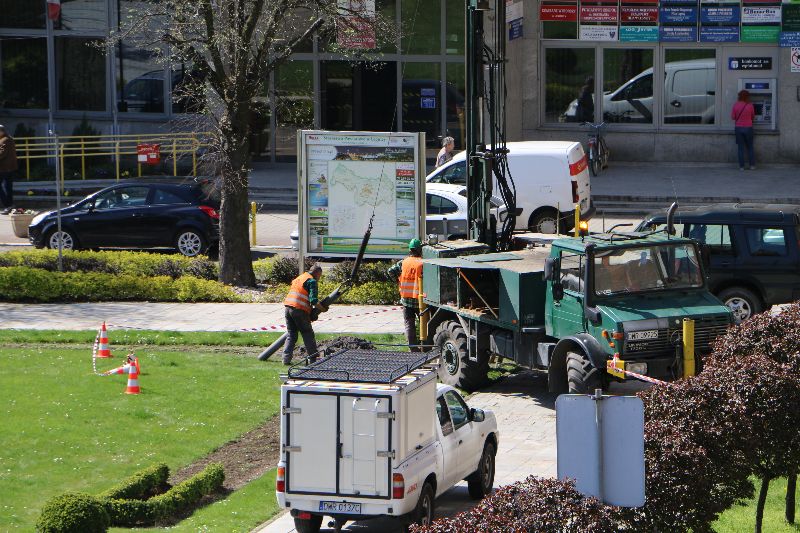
{"type": "Point", "coordinates": [742, 114]}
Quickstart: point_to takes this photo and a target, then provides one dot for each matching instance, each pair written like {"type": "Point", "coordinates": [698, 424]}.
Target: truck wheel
{"type": "Point", "coordinates": [582, 376]}
{"type": "Point", "coordinates": [481, 481]}
{"type": "Point", "coordinates": [308, 525]}
{"type": "Point", "coordinates": [423, 514]}
{"type": "Point", "coordinates": [742, 302]}
{"type": "Point", "coordinates": [455, 368]}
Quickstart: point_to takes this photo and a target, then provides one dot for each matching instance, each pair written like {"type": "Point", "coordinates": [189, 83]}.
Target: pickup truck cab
{"type": "Point", "coordinates": [754, 251]}
{"type": "Point", "coordinates": [367, 434]}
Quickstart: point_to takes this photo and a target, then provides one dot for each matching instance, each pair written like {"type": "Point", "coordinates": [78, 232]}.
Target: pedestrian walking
{"type": "Point", "coordinates": [407, 273]}
{"type": "Point", "coordinates": [742, 114]}
{"type": "Point", "coordinates": [8, 167]}
{"type": "Point", "coordinates": [446, 153]}
{"type": "Point", "coordinates": [303, 295]}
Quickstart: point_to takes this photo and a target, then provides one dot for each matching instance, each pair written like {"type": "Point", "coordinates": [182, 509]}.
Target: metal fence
{"type": "Point", "coordinates": [120, 151]}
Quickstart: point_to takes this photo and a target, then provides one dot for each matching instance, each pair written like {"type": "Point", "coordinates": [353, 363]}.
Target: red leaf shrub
{"type": "Point", "coordinates": [774, 336]}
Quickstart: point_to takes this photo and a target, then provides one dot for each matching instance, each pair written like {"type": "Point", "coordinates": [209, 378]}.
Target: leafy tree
{"type": "Point", "coordinates": [232, 47]}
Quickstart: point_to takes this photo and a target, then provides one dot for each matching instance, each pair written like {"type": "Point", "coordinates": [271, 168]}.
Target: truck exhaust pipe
{"type": "Point", "coordinates": [671, 218]}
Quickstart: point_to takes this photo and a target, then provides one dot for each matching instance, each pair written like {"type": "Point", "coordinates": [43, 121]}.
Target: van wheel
{"type": "Point", "coordinates": [481, 481]}
{"type": "Point", "coordinates": [308, 525]}
{"type": "Point", "coordinates": [742, 302]}
{"type": "Point", "coordinates": [545, 221]}
{"type": "Point", "coordinates": [582, 376]}
{"type": "Point", "coordinates": [455, 368]}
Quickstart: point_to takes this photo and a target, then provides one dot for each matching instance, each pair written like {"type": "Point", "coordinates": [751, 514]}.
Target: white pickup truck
{"type": "Point", "coordinates": [370, 433]}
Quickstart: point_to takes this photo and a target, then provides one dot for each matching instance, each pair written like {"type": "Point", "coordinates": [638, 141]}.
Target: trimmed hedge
{"type": "Point", "coordinates": [36, 285]}
{"type": "Point", "coordinates": [279, 269]}
{"type": "Point", "coordinates": [367, 272]}
{"type": "Point", "coordinates": [141, 485]}
{"type": "Point", "coordinates": [114, 262]}
{"type": "Point", "coordinates": [73, 512]}
{"type": "Point", "coordinates": [370, 293]}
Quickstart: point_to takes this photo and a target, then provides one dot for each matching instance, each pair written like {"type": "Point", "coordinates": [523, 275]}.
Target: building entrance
{"type": "Point", "coordinates": [358, 97]}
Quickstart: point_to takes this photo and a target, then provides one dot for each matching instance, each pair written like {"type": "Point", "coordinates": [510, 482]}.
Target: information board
{"type": "Point", "coordinates": [638, 34]}
{"type": "Point", "coordinates": [346, 176]}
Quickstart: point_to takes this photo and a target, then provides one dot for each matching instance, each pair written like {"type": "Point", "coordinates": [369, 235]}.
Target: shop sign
{"type": "Point", "coordinates": [638, 34]}
{"type": "Point", "coordinates": [719, 14]}
{"type": "Point", "coordinates": [558, 13]}
{"type": "Point", "coordinates": [761, 15]}
{"type": "Point", "coordinates": [749, 63]}
{"type": "Point", "coordinates": [599, 14]}
{"type": "Point", "coordinates": [639, 14]}
{"type": "Point", "coordinates": [760, 34]}
{"type": "Point", "coordinates": [789, 39]}
{"type": "Point", "coordinates": [515, 29]}
{"type": "Point", "coordinates": [679, 14]}
{"type": "Point", "coordinates": [598, 33]}
{"type": "Point", "coordinates": [356, 33]}
{"type": "Point", "coordinates": [719, 34]}
{"type": "Point", "coordinates": [678, 34]}
{"type": "Point", "coordinates": [795, 59]}
{"type": "Point", "coordinates": [791, 17]}
{"type": "Point", "coordinates": [513, 10]}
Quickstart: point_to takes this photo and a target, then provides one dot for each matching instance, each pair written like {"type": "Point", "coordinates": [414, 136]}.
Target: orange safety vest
{"type": "Point", "coordinates": [409, 276]}
{"type": "Point", "coordinates": [297, 296]}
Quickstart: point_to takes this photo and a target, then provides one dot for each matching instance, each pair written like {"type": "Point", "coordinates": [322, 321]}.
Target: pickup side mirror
{"type": "Point", "coordinates": [551, 265]}
{"type": "Point", "coordinates": [477, 415]}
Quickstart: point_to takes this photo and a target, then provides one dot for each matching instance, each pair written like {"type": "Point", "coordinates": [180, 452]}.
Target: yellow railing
{"type": "Point", "coordinates": [173, 146]}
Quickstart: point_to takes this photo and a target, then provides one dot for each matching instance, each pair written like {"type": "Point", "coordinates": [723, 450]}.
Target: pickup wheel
{"type": "Point", "coordinates": [481, 481]}
{"type": "Point", "coordinates": [582, 376]}
{"type": "Point", "coordinates": [455, 368]}
{"type": "Point", "coordinates": [308, 525]}
{"type": "Point", "coordinates": [742, 302]}
{"type": "Point", "coordinates": [423, 514]}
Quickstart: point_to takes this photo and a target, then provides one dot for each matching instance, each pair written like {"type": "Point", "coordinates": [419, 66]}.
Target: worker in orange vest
{"type": "Point", "coordinates": [407, 273]}
{"type": "Point", "coordinates": [301, 298]}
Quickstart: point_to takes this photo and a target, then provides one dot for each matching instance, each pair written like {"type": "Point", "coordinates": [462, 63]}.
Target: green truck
{"type": "Point", "coordinates": [568, 306]}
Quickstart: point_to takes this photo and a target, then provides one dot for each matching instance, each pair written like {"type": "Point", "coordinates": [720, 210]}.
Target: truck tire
{"type": "Point", "coordinates": [423, 514]}
{"type": "Point", "coordinates": [308, 525]}
{"type": "Point", "coordinates": [545, 221]}
{"type": "Point", "coordinates": [455, 368]}
{"type": "Point", "coordinates": [742, 302]}
{"type": "Point", "coordinates": [481, 481]}
{"type": "Point", "coordinates": [582, 376]}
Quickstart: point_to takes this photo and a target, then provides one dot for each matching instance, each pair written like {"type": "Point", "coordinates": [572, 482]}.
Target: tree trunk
{"type": "Point", "coordinates": [791, 490]}
{"type": "Point", "coordinates": [762, 499]}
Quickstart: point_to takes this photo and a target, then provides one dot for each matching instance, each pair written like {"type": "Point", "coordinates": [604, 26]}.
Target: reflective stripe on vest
{"type": "Point", "coordinates": [412, 270]}
{"type": "Point", "coordinates": [297, 296]}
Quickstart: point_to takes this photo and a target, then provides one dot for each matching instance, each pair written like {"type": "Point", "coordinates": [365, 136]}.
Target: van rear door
{"type": "Point", "coordinates": [579, 174]}
{"type": "Point", "coordinates": [364, 466]}
{"type": "Point", "coordinates": [311, 457]}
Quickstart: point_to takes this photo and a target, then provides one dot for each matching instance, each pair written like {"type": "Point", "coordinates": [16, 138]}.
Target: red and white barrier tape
{"type": "Point", "coordinates": [644, 378]}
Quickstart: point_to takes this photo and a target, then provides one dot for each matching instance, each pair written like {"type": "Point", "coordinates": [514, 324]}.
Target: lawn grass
{"type": "Point", "coordinates": [743, 517]}
{"type": "Point", "coordinates": [64, 428]}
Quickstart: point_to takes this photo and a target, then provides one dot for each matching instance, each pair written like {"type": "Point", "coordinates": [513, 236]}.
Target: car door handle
{"type": "Point", "coordinates": [675, 103]}
{"type": "Point", "coordinates": [459, 442]}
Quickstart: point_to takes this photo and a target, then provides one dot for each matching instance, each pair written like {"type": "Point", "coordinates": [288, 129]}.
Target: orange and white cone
{"type": "Point", "coordinates": [103, 352]}
{"type": "Point", "coordinates": [133, 379]}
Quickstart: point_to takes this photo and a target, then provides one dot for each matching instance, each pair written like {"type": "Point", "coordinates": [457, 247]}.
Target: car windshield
{"type": "Point", "coordinates": [646, 268]}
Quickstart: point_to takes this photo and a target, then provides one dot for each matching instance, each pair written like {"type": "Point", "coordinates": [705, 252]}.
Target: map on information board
{"type": "Point", "coordinates": [346, 177]}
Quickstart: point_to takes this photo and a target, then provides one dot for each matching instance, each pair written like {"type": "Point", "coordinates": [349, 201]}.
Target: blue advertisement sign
{"type": "Point", "coordinates": [515, 29]}
{"type": "Point", "coordinates": [638, 34]}
{"type": "Point", "coordinates": [719, 34]}
{"type": "Point", "coordinates": [678, 15]}
{"type": "Point", "coordinates": [788, 39]}
{"type": "Point", "coordinates": [427, 102]}
{"type": "Point", "coordinates": [678, 34]}
{"type": "Point", "coordinates": [720, 14]}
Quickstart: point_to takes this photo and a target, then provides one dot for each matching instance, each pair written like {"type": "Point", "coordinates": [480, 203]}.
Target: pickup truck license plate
{"type": "Point", "coordinates": [340, 507]}
{"type": "Point", "coordinates": [643, 335]}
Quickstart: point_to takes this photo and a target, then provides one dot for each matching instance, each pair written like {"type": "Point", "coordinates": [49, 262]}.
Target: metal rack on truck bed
{"type": "Point", "coordinates": [363, 366]}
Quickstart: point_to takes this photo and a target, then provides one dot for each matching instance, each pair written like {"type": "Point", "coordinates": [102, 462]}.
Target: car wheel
{"type": "Point", "coordinates": [308, 525]}
{"type": "Point", "coordinates": [481, 481]}
{"type": "Point", "coordinates": [545, 221]}
{"type": "Point", "coordinates": [582, 376]}
{"type": "Point", "coordinates": [455, 368]}
{"type": "Point", "coordinates": [742, 302]}
{"type": "Point", "coordinates": [190, 243]}
{"type": "Point", "coordinates": [68, 240]}
{"type": "Point", "coordinates": [423, 514]}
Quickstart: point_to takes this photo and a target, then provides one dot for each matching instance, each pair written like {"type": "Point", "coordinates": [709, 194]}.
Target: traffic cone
{"type": "Point", "coordinates": [103, 352]}
{"type": "Point", "coordinates": [133, 377]}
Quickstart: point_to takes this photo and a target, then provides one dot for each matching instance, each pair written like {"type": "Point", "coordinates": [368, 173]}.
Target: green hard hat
{"type": "Point", "coordinates": [414, 244]}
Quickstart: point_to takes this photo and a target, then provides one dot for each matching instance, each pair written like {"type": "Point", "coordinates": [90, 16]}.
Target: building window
{"type": "Point", "coordinates": [421, 26]}
{"type": "Point", "coordinates": [23, 73]}
{"type": "Point", "coordinates": [690, 86]}
{"type": "Point", "coordinates": [83, 15]}
{"type": "Point", "coordinates": [455, 24]}
{"type": "Point", "coordinates": [140, 81]}
{"type": "Point", "coordinates": [22, 14]}
{"type": "Point", "coordinates": [294, 104]}
{"type": "Point", "coordinates": [628, 85]}
{"type": "Point", "coordinates": [569, 87]}
{"type": "Point", "coordinates": [422, 103]}
{"type": "Point", "coordinates": [81, 74]}
{"type": "Point", "coordinates": [456, 102]}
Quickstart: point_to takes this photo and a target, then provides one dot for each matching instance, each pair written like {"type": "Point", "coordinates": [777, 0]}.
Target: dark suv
{"type": "Point", "coordinates": [754, 251]}
{"type": "Point", "coordinates": [180, 213]}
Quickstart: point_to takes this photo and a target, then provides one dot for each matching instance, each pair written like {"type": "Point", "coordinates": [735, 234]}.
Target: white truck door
{"type": "Point", "coordinates": [364, 463]}
{"type": "Point", "coordinates": [464, 435]}
{"type": "Point", "coordinates": [311, 443]}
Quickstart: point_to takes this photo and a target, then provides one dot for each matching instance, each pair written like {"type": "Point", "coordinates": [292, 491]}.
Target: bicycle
{"type": "Point", "coordinates": [598, 149]}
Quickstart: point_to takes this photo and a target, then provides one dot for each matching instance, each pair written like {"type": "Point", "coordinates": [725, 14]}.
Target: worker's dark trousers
{"type": "Point", "coordinates": [410, 320]}
{"type": "Point", "coordinates": [298, 321]}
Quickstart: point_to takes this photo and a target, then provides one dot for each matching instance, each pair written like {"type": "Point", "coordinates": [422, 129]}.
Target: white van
{"type": "Point", "coordinates": [550, 178]}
